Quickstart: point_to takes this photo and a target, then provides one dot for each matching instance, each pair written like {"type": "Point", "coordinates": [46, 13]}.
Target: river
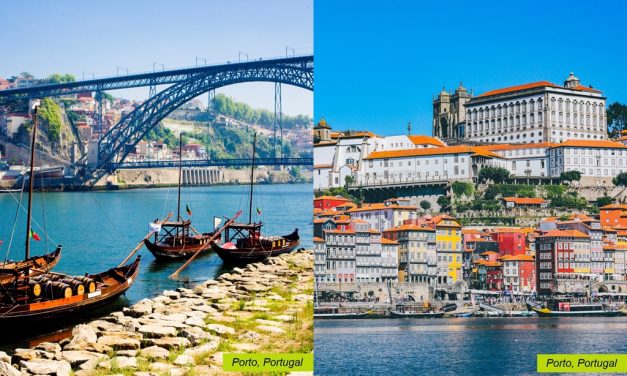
{"type": "Point", "coordinates": [99, 228]}
{"type": "Point", "coordinates": [458, 346]}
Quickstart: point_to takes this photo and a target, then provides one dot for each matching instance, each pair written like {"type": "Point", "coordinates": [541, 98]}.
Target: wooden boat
{"type": "Point", "coordinates": [10, 190]}
{"type": "Point", "coordinates": [414, 311]}
{"type": "Point", "coordinates": [37, 264]}
{"type": "Point", "coordinates": [336, 313]}
{"type": "Point", "coordinates": [178, 239]}
{"type": "Point", "coordinates": [243, 242]}
{"type": "Point", "coordinates": [23, 303]}
{"type": "Point", "coordinates": [29, 303]}
{"type": "Point", "coordinates": [564, 307]}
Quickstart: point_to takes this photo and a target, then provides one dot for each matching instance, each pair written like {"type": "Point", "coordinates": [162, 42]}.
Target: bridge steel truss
{"type": "Point", "coordinates": [121, 139]}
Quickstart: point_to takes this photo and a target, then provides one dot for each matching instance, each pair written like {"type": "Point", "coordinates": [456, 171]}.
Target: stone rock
{"type": "Point", "coordinates": [176, 317]}
{"type": "Point", "coordinates": [4, 357]}
{"type": "Point", "coordinates": [125, 362]}
{"type": "Point", "coordinates": [220, 329]}
{"type": "Point", "coordinates": [145, 374]}
{"type": "Point", "coordinates": [155, 352]}
{"type": "Point", "coordinates": [45, 354]}
{"type": "Point", "coordinates": [132, 335]}
{"type": "Point", "coordinates": [250, 336]}
{"type": "Point", "coordinates": [218, 358]}
{"type": "Point", "coordinates": [119, 342]}
{"type": "Point", "coordinates": [91, 364]}
{"type": "Point", "coordinates": [6, 369]}
{"type": "Point", "coordinates": [171, 294]}
{"type": "Point", "coordinates": [48, 347]}
{"type": "Point", "coordinates": [286, 318]}
{"type": "Point", "coordinates": [141, 308]}
{"type": "Point", "coordinates": [105, 325]}
{"type": "Point", "coordinates": [131, 353]}
{"type": "Point", "coordinates": [82, 335]}
{"type": "Point", "coordinates": [195, 321]}
{"type": "Point", "coordinates": [196, 335]}
{"type": "Point", "coordinates": [23, 354]}
{"type": "Point", "coordinates": [170, 343]}
{"type": "Point", "coordinates": [202, 349]}
{"type": "Point", "coordinates": [47, 367]}
{"type": "Point", "coordinates": [184, 360]}
{"type": "Point", "coordinates": [206, 370]}
{"type": "Point", "coordinates": [243, 347]}
{"type": "Point", "coordinates": [76, 358]}
{"type": "Point", "coordinates": [157, 331]}
{"type": "Point", "coordinates": [170, 324]}
{"type": "Point", "coordinates": [270, 328]}
{"type": "Point", "coordinates": [162, 300]}
{"type": "Point", "coordinates": [222, 318]}
{"type": "Point", "coordinates": [269, 322]}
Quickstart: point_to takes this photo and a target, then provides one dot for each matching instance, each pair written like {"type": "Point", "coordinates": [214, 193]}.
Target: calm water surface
{"type": "Point", "coordinates": [99, 229]}
{"type": "Point", "coordinates": [460, 346]}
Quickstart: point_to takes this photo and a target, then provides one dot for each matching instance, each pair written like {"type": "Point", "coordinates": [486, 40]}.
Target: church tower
{"type": "Point", "coordinates": [449, 114]}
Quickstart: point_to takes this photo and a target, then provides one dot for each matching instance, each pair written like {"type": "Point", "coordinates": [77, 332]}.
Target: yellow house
{"type": "Point", "coordinates": [448, 238]}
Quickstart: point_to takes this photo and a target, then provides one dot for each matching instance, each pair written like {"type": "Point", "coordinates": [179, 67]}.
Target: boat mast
{"type": "Point", "coordinates": [178, 208]}
{"type": "Point", "coordinates": [252, 181]}
{"type": "Point", "coordinates": [30, 188]}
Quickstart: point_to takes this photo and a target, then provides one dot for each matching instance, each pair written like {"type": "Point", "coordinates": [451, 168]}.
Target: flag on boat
{"type": "Point", "coordinates": [34, 235]}
{"type": "Point", "coordinates": [154, 227]}
{"type": "Point", "coordinates": [258, 211]}
{"type": "Point", "coordinates": [216, 222]}
{"type": "Point", "coordinates": [189, 211]}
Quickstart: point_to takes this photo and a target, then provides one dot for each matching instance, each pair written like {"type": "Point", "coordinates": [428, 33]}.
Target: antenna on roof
{"type": "Point", "coordinates": [409, 128]}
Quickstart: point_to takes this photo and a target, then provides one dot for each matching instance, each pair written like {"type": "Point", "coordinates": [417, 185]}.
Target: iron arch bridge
{"type": "Point", "coordinates": [186, 84]}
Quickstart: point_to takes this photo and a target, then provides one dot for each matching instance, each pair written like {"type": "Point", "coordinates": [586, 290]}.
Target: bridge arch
{"type": "Point", "coordinates": [134, 126]}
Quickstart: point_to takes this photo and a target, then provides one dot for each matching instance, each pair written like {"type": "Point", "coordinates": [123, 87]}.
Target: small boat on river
{"type": "Point", "coordinates": [338, 313]}
{"type": "Point", "coordinates": [37, 264]}
{"type": "Point", "coordinates": [415, 311]}
{"type": "Point", "coordinates": [566, 307]}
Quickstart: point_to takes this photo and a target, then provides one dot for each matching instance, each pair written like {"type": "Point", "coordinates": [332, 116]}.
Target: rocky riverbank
{"type": "Point", "coordinates": [263, 307]}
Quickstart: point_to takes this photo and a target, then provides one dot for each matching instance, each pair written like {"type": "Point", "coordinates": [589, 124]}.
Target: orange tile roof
{"type": "Point", "coordinates": [565, 233]}
{"type": "Point", "coordinates": [585, 88]}
{"type": "Point", "coordinates": [498, 147]}
{"type": "Point", "coordinates": [459, 149]}
{"type": "Point", "coordinates": [325, 143]}
{"type": "Point", "coordinates": [488, 253]}
{"type": "Point", "coordinates": [318, 240]}
{"type": "Point", "coordinates": [525, 200]}
{"type": "Point", "coordinates": [592, 144]}
{"type": "Point", "coordinates": [358, 134]}
{"type": "Point", "coordinates": [425, 140]}
{"type": "Point", "coordinates": [519, 257]}
{"type": "Point", "coordinates": [336, 231]}
{"type": "Point", "coordinates": [388, 241]}
{"type": "Point", "coordinates": [470, 231]}
{"type": "Point", "coordinates": [512, 89]}
{"type": "Point", "coordinates": [488, 263]}
{"type": "Point", "coordinates": [613, 207]}
{"type": "Point", "coordinates": [409, 228]}
{"type": "Point", "coordinates": [323, 166]}
{"type": "Point", "coordinates": [380, 206]}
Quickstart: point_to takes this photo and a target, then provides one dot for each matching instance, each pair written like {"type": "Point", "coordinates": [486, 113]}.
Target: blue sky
{"type": "Point", "coordinates": [378, 64]}
{"type": "Point", "coordinates": [70, 36]}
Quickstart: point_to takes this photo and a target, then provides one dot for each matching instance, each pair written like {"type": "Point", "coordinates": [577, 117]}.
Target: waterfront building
{"type": "Point", "coordinates": [613, 215]}
{"type": "Point", "coordinates": [368, 257]}
{"type": "Point", "coordinates": [385, 215]}
{"type": "Point", "coordinates": [417, 252]}
{"type": "Point", "coordinates": [519, 274]}
{"type": "Point", "coordinates": [389, 260]}
{"type": "Point", "coordinates": [340, 257]}
{"type": "Point", "coordinates": [597, 160]}
{"type": "Point", "coordinates": [524, 160]}
{"type": "Point", "coordinates": [320, 259]}
{"type": "Point", "coordinates": [511, 241]}
{"type": "Point", "coordinates": [448, 237]}
{"type": "Point", "coordinates": [591, 262]}
{"type": "Point", "coordinates": [488, 275]}
{"type": "Point", "coordinates": [555, 256]}
{"type": "Point", "coordinates": [537, 112]}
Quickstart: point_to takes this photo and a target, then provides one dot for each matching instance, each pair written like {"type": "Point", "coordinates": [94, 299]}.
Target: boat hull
{"type": "Point", "coordinates": [47, 314]}
{"type": "Point", "coordinates": [416, 315]}
{"type": "Point", "coordinates": [341, 316]}
{"type": "Point", "coordinates": [235, 256]}
{"type": "Point", "coordinates": [544, 312]}
{"type": "Point", "coordinates": [165, 252]}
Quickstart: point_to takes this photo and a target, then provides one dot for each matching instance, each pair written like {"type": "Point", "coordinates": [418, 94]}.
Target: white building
{"type": "Point", "coordinates": [524, 160]}
{"type": "Point", "coordinates": [389, 260]}
{"type": "Point", "coordinates": [367, 253]}
{"type": "Point", "coordinates": [537, 112]}
{"type": "Point", "coordinates": [597, 160]}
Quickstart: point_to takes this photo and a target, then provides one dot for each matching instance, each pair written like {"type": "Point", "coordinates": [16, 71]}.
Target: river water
{"type": "Point", "coordinates": [98, 229]}
{"type": "Point", "coordinates": [458, 346]}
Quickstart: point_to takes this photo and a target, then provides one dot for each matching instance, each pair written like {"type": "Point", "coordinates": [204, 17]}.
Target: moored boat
{"type": "Point", "coordinates": [414, 311]}
{"type": "Point", "coordinates": [337, 313]}
{"type": "Point", "coordinates": [565, 307]}
{"type": "Point", "coordinates": [178, 239]}
{"type": "Point", "coordinates": [243, 242]}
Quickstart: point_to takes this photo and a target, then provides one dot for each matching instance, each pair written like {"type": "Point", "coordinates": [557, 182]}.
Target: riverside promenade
{"type": "Point", "coordinates": [265, 307]}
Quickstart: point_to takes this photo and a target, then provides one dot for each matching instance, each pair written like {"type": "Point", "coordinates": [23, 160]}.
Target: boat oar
{"type": "Point", "coordinates": [213, 237]}
{"type": "Point", "coordinates": [141, 243]}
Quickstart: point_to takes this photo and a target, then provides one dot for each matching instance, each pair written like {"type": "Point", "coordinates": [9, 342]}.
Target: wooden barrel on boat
{"type": "Point", "coordinates": [57, 290]}
{"type": "Point", "coordinates": [34, 289]}
{"type": "Point", "coordinates": [90, 285]}
{"type": "Point", "coordinates": [77, 286]}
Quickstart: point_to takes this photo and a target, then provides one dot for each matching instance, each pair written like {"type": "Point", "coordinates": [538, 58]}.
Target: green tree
{"type": "Point", "coordinates": [605, 200]}
{"type": "Point", "coordinates": [461, 188]}
{"type": "Point", "coordinates": [425, 205]}
{"type": "Point", "coordinates": [616, 119]}
{"type": "Point", "coordinates": [620, 179]}
{"type": "Point", "coordinates": [570, 176]}
{"type": "Point", "coordinates": [495, 174]}
{"type": "Point", "coordinates": [444, 202]}
{"type": "Point", "coordinates": [61, 78]}
{"type": "Point", "coordinates": [348, 180]}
